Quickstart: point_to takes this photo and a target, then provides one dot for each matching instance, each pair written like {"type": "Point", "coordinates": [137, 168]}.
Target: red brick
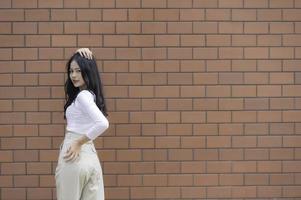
{"type": "Point", "coordinates": [26, 181]}
{"type": "Point", "coordinates": [269, 141]}
{"type": "Point", "coordinates": [281, 154]}
{"type": "Point", "coordinates": [218, 116]}
{"type": "Point", "coordinates": [179, 27]}
{"type": "Point", "coordinates": [154, 104]}
{"type": "Point", "coordinates": [129, 180]}
{"type": "Point", "coordinates": [128, 155]}
{"type": "Point", "coordinates": [206, 104]}
{"type": "Point", "coordinates": [6, 156]}
{"type": "Point", "coordinates": [102, 27]}
{"type": "Point", "coordinates": [13, 143]}
{"type": "Point", "coordinates": [218, 40]}
{"type": "Point", "coordinates": [179, 3]}
{"type": "Point", "coordinates": [6, 181]}
{"type": "Point", "coordinates": [257, 154]}
{"type": "Point", "coordinates": [232, 179]}
{"type": "Point", "coordinates": [269, 191]}
{"type": "Point", "coordinates": [63, 15]}
{"type": "Point", "coordinates": [231, 104]}
{"type": "Point", "coordinates": [269, 166]}
{"type": "Point", "coordinates": [206, 179]}
{"type": "Point", "coordinates": [154, 27]}
{"type": "Point", "coordinates": [218, 14]}
{"type": "Point", "coordinates": [102, 4]}
{"type": "Point", "coordinates": [141, 14]}
{"type": "Point", "coordinates": [142, 192]}
{"type": "Point", "coordinates": [115, 41]}
{"type": "Point", "coordinates": [269, 15]}
{"type": "Point", "coordinates": [141, 41]}
{"type": "Point", "coordinates": [167, 142]}
{"type": "Point", "coordinates": [155, 155]}
{"type": "Point", "coordinates": [291, 191]}
{"type": "Point", "coordinates": [193, 167]}
{"type": "Point", "coordinates": [231, 154]}
{"type": "Point", "coordinates": [128, 4]}
{"type": "Point", "coordinates": [281, 52]}
{"type": "Point", "coordinates": [256, 53]}
{"type": "Point", "coordinates": [38, 143]}
{"type": "Point", "coordinates": [6, 4]}
{"type": "Point", "coordinates": [155, 180]}
{"type": "Point", "coordinates": [205, 3]}
{"type": "Point", "coordinates": [218, 141]}
{"type": "Point", "coordinates": [205, 27]}
{"type": "Point", "coordinates": [154, 4]}
{"type": "Point", "coordinates": [12, 15]}
{"type": "Point", "coordinates": [205, 53]}
{"type": "Point", "coordinates": [256, 129]}
{"type": "Point", "coordinates": [291, 15]}
{"type": "Point", "coordinates": [47, 181]}
{"type": "Point", "coordinates": [12, 40]}
{"type": "Point", "coordinates": [244, 141]}
{"type": "Point", "coordinates": [117, 193]}
{"type": "Point", "coordinates": [142, 167]}
{"type": "Point", "coordinates": [25, 155]}
{"type": "Point", "coordinates": [167, 167]}
{"type": "Point", "coordinates": [5, 27]}
{"type": "Point", "coordinates": [219, 192]}
{"type": "Point", "coordinates": [142, 142]}
{"type": "Point", "coordinates": [244, 166]}
{"type": "Point", "coordinates": [114, 15]}
{"type": "Point", "coordinates": [230, 129]}
{"type": "Point", "coordinates": [13, 168]}
{"type": "Point", "coordinates": [179, 129]}
{"type": "Point", "coordinates": [180, 154]}
{"type": "Point", "coordinates": [252, 179]}
{"type": "Point", "coordinates": [206, 154]}
{"type": "Point", "coordinates": [39, 193]}
{"type": "Point", "coordinates": [230, 27]}
{"type": "Point", "coordinates": [192, 15]}
{"type": "Point", "coordinates": [218, 91]}
{"type": "Point", "coordinates": [192, 40]}
{"type": "Point", "coordinates": [13, 193]}
{"type": "Point", "coordinates": [154, 129]}
{"type": "Point", "coordinates": [167, 117]}
{"type": "Point", "coordinates": [180, 53]}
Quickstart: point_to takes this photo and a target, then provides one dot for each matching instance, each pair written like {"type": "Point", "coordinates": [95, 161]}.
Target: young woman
{"type": "Point", "coordinates": [78, 174]}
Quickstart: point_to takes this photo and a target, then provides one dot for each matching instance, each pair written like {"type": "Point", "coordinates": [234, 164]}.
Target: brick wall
{"type": "Point", "coordinates": [204, 95]}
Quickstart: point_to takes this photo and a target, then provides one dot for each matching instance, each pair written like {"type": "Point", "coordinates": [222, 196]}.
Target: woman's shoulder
{"type": "Point", "coordinates": [86, 94]}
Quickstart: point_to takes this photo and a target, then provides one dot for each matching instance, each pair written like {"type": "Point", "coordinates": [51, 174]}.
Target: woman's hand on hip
{"type": "Point", "coordinates": [73, 152]}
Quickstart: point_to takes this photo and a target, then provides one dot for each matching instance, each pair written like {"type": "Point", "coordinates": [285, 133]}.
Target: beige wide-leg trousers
{"type": "Point", "coordinates": [81, 179]}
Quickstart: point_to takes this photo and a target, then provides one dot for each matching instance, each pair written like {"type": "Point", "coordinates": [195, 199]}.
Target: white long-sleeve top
{"type": "Point", "coordinates": [84, 117]}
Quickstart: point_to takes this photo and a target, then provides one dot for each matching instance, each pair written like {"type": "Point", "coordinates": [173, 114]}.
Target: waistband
{"type": "Point", "coordinates": [71, 135]}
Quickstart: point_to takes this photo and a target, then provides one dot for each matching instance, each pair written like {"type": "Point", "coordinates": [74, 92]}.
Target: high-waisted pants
{"type": "Point", "coordinates": [81, 179]}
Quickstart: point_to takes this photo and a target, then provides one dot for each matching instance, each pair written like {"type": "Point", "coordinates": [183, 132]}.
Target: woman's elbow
{"type": "Point", "coordinates": [105, 124]}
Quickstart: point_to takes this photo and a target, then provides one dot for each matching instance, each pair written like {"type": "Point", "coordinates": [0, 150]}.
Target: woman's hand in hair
{"type": "Point", "coordinates": [85, 52]}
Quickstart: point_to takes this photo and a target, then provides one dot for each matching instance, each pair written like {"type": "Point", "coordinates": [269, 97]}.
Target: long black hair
{"type": "Point", "coordinates": [91, 78]}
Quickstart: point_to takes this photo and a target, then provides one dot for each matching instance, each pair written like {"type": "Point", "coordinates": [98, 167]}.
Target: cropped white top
{"type": "Point", "coordinates": [84, 117]}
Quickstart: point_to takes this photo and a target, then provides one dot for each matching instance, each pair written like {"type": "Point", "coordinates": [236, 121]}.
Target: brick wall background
{"type": "Point", "coordinates": [204, 95]}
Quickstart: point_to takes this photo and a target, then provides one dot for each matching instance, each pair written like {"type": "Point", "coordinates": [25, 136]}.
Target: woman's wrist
{"type": "Point", "coordinates": [82, 140]}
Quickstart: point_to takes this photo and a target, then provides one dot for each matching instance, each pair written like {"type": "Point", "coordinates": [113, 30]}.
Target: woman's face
{"type": "Point", "coordinates": [76, 76]}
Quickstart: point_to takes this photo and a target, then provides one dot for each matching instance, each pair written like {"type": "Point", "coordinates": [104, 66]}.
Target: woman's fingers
{"type": "Point", "coordinates": [71, 155]}
{"type": "Point", "coordinates": [85, 52]}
